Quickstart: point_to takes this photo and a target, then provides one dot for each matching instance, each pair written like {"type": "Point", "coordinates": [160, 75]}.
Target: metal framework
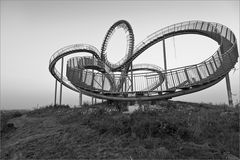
{"type": "Point", "coordinates": [97, 77]}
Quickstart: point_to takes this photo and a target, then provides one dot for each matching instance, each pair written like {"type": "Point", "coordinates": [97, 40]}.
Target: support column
{"type": "Point", "coordinates": [229, 92]}
{"type": "Point", "coordinates": [102, 84]}
{"type": "Point", "coordinates": [165, 61]}
{"type": "Point", "coordinates": [80, 99]}
{"type": "Point", "coordinates": [131, 77]}
{"type": "Point", "coordinates": [92, 78]}
{"type": "Point", "coordinates": [55, 95]}
{"type": "Point", "coordinates": [60, 100]}
{"type": "Point", "coordinates": [125, 84]}
{"type": "Point", "coordinates": [147, 85]}
{"type": "Point", "coordinates": [135, 84]}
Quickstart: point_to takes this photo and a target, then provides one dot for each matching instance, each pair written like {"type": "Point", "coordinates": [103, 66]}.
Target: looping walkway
{"type": "Point", "coordinates": [96, 76]}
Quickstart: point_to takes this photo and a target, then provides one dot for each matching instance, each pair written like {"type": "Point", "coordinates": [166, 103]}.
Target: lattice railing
{"type": "Point", "coordinates": [213, 68]}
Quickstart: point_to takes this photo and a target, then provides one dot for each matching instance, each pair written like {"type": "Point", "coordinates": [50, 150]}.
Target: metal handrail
{"type": "Point", "coordinates": [206, 71]}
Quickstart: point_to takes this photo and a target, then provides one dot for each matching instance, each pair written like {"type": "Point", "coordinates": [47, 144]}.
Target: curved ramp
{"type": "Point", "coordinates": [96, 76]}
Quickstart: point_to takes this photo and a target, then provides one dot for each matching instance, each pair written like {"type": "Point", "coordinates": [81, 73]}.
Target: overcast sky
{"type": "Point", "coordinates": [31, 31]}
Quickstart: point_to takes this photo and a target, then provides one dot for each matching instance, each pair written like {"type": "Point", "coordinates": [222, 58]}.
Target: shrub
{"type": "Point", "coordinates": [5, 117]}
{"type": "Point", "coordinates": [85, 105]}
{"type": "Point", "coordinates": [49, 109]}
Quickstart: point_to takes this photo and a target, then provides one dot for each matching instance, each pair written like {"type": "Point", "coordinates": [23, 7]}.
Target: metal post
{"type": "Point", "coordinates": [60, 101]}
{"type": "Point", "coordinates": [164, 55]}
{"type": "Point", "coordinates": [92, 83]}
{"type": "Point", "coordinates": [173, 80]}
{"type": "Point", "coordinates": [198, 72]}
{"type": "Point", "coordinates": [230, 101]}
{"type": "Point", "coordinates": [131, 77]}
{"type": "Point", "coordinates": [102, 84]}
{"type": "Point", "coordinates": [207, 68]}
{"type": "Point", "coordinates": [147, 85]}
{"type": "Point", "coordinates": [55, 95]}
{"type": "Point", "coordinates": [178, 78]}
{"type": "Point", "coordinates": [135, 84]}
{"type": "Point", "coordinates": [125, 86]}
{"type": "Point", "coordinates": [93, 75]}
{"type": "Point", "coordinates": [214, 62]}
{"type": "Point", "coordinates": [165, 61]}
{"type": "Point", "coordinates": [80, 98]}
{"type": "Point", "coordinates": [186, 73]}
{"type": "Point", "coordinates": [229, 92]}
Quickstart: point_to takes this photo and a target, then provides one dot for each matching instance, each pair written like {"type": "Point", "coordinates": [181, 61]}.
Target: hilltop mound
{"type": "Point", "coordinates": [175, 130]}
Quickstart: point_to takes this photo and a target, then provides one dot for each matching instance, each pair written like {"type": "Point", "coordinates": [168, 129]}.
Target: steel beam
{"type": "Point", "coordinates": [80, 98]}
{"type": "Point", "coordinates": [229, 92]}
{"type": "Point", "coordinates": [103, 81]}
{"type": "Point", "coordinates": [165, 62]}
{"type": "Point", "coordinates": [131, 77]}
{"type": "Point", "coordinates": [60, 100]}
{"type": "Point", "coordinates": [55, 95]}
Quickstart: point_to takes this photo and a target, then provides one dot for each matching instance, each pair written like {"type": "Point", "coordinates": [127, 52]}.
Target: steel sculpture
{"type": "Point", "coordinates": [96, 76]}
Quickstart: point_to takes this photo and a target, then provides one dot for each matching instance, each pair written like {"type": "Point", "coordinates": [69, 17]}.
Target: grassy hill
{"type": "Point", "coordinates": [168, 130]}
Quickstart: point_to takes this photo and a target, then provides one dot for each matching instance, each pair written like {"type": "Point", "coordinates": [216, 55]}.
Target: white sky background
{"type": "Point", "coordinates": [31, 31]}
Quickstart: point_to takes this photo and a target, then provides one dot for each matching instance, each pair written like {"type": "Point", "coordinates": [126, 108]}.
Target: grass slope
{"type": "Point", "coordinates": [173, 130]}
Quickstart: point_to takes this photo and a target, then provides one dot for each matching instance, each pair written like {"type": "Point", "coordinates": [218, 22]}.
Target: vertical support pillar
{"type": "Point", "coordinates": [102, 84]}
{"type": "Point", "coordinates": [60, 100]}
{"type": "Point", "coordinates": [125, 87]}
{"type": "Point", "coordinates": [229, 92]}
{"type": "Point", "coordinates": [55, 95]}
{"type": "Point", "coordinates": [207, 68]}
{"type": "Point", "coordinates": [86, 74]}
{"type": "Point", "coordinates": [92, 83]}
{"type": "Point", "coordinates": [135, 84]}
{"type": "Point", "coordinates": [198, 72]}
{"type": "Point", "coordinates": [164, 55]}
{"type": "Point", "coordinates": [132, 77]}
{"type": "Point", "coordinates": [178, 78]}
{"type": "Point", "coordinates": [214, 62]}
{"type": "Point", "coordinates": [186, 74]}
{"type": "Point", "coordinates": [93, 76]}
{"type": "Point", "coordinates": [165, 62]}
{"type": "Point", "coordinates": [174, 83]}
{"type": "Point", "coordinates": [80, 98]}
{"type": "Point", "coordinates": [147, 85]}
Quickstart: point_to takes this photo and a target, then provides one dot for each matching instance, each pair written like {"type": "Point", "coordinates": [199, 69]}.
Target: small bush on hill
{"type": "Point", "coordinates": [46, 110]}
{"type": "Point", "coordinates": [5, 117]}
